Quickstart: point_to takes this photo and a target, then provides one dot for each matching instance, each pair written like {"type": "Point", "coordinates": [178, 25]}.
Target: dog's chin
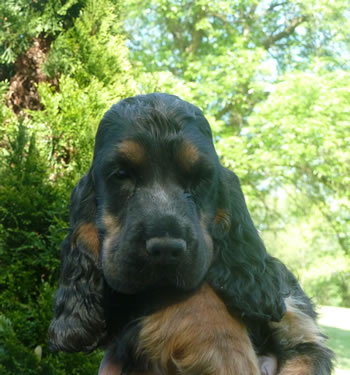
{"type": "Point", "coordinates": [127, 287]}
{"type": "Point", "coordinates": [133, 287]}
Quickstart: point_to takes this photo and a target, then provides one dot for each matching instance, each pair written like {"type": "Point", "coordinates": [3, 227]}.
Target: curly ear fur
{"type": "Point", "coordinates": [247, 278]}
{"type": "Point", "coordinates": [79, 323]}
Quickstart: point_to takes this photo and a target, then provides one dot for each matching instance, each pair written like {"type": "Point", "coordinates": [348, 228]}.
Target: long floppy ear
{"type": "Point", "coordinates": [79, 322]}
{"type": "Point", "coordinates": [249, 280]}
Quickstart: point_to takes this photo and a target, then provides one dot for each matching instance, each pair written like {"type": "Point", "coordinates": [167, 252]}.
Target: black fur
{"type": "Point", "coordinates": [102, 299]}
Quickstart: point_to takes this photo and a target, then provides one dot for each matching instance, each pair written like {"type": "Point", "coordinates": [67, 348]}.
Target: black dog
{"type": "Point", "coordinates": [161, 244]}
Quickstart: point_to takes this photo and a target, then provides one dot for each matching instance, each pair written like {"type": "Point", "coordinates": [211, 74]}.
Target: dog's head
{"type": "Point", "coordinates": [155, 211]}
{"type": "Point", "coordinates": [155, 171]}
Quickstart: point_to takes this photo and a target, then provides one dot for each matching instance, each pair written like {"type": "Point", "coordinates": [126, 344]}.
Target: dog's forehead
{"type": "Point", "coordinates": [157, 113]}
{"type": "Point", "coordinates": [177, 151]}
{"type": "Point", "coordinates": [154, 124]}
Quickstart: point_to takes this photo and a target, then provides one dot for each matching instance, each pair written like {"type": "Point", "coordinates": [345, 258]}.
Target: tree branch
{"type": "Point", "coordinates": [289, 30]}
{"type": "Point", "coordinates": [197, 36]}
{"type": "Point", "coordinates": [275, 5]}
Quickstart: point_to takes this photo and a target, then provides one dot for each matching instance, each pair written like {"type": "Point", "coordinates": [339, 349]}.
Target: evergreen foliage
{"type": "Point", "coordinates": [43, 154]}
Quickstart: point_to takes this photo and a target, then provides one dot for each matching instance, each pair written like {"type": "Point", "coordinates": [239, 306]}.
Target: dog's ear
{"type": "Point", "coordinates": [248, 279]}
{"type": "Point", "coordinates": [79, 323]}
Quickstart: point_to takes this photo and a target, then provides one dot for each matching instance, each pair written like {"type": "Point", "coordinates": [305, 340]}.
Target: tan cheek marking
{"type": "Point", "coordinates": [132, 151]}
{"type": "Point", "coordinates": [222, 217]}
{"type": "Point", "coordinates": [207, 237]}
{"type": "Point", "coordinates": [111, 223]}
{"type": "Point", "coordinates": [297, 366]}
{"type": "Point", "coordinates": [187, 156]}
{"type": "Point", "coordinates": [197, 336]}
{"type": "Point", "coordinates": [88, 235]}
{"type": "Point", "coordinates": [112, 228]}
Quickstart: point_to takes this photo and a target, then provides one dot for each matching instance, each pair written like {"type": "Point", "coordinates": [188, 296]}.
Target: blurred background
{"type": "Point", "coordinates": [273, 79]}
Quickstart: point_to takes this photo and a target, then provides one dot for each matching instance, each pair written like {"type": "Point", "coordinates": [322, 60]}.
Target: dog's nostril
{"type": "Point", "coordinates": [165, 249]}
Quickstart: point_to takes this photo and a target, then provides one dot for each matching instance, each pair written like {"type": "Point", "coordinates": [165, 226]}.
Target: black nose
{"type": "Point", "coordinates": [165, 250]}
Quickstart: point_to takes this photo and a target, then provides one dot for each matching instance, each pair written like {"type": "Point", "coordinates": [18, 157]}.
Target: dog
{"type": "Point", "coordinates": [163, 263]}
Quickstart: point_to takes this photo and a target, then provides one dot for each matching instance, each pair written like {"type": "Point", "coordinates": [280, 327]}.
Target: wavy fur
{"type": "Point", "coordinates": [157, 228]}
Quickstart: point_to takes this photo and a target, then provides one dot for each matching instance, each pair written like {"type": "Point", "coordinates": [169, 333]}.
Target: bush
{"type": "Point", "coordinates": [33, 210]}
{"type": "Point", "coordinates": [44, 151]}
{"type": "Point", "coordinates": [328, 281]}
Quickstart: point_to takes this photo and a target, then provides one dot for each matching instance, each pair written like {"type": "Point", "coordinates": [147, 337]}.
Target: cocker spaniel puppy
{"type": "Point", "coordinates": [163, 263]}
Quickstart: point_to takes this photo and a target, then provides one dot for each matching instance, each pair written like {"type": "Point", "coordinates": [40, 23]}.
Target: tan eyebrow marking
{"type": "Point", "coordinates": [133, 151]}
{"type": "Point", "coordinates": [187, 156]}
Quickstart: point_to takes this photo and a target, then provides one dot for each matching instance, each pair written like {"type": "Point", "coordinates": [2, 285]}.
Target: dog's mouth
{"type": "Point", "coordinates": [136, 278]}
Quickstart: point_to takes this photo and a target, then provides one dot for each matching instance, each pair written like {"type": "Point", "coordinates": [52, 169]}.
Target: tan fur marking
{"type": "Point", "coordinates": [187, 156]}
{"type": "Point", "coordinates": [88, 235]}
{"type": "Point", "coordinates": [110, 222]}
{"type": "Point", "coordinates": [297, 366]}
{"type": "Point", "coordinates": [222, 217]}
{"type": "Point", "coordinates": [133, 151]}
{"type": "Point", "coordinates": [112, 229]}
{"type": "Point", "coordinates": [296, 327]}
{"type": "Point", "coordinates": [207, 237]}
{"type": "Point", "coordinates": [197, 336]}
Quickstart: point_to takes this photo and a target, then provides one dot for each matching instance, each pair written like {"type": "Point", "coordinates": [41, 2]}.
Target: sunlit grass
{"type": "Point", "coordinates": [335, 323]}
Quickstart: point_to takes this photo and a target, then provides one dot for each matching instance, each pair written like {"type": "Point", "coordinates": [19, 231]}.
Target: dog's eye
{"type": "Point", "coordinates": [188, 195]}
{"type": "Point", "coordinates": [122, 173]}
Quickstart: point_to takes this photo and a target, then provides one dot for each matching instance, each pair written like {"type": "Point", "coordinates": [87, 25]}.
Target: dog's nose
{"type": "Point", "coordinates": [165, 250]}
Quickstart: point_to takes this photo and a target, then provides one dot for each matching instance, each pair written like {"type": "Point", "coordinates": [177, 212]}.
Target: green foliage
{"type": "Point", "coordinates": [21, 20]}
{"type": "Point", "coordinates": [42, 155]}
{"type": "Point", "coordinates": [272, 78]}
{"type": "Point", "coordinates": [91, 62]}
{"type": "Point", "coordinates": [306, 143]}
{"type": "Point", "coordinates": [14, 356]}
{"type": "Point", "coordinates": [228, 51]}
{"type": "Point", "coordinates": [28, 255]}
{"type": "Point", "coordinates": [29, 205]}
{"type": "Point", "coordinates": [93, 47]}
{"type": "Point", "coordinates": [33, 217]}
{"type": "Point", "coordinates": [17, 358]}
{"type": "Point", "coordinates": [328, 282]}
{"type": "Point", "coordinates": [69, 122]}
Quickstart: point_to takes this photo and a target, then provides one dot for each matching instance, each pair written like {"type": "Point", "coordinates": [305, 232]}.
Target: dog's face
{"type": "Point", "coordinates": [154, 180]}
